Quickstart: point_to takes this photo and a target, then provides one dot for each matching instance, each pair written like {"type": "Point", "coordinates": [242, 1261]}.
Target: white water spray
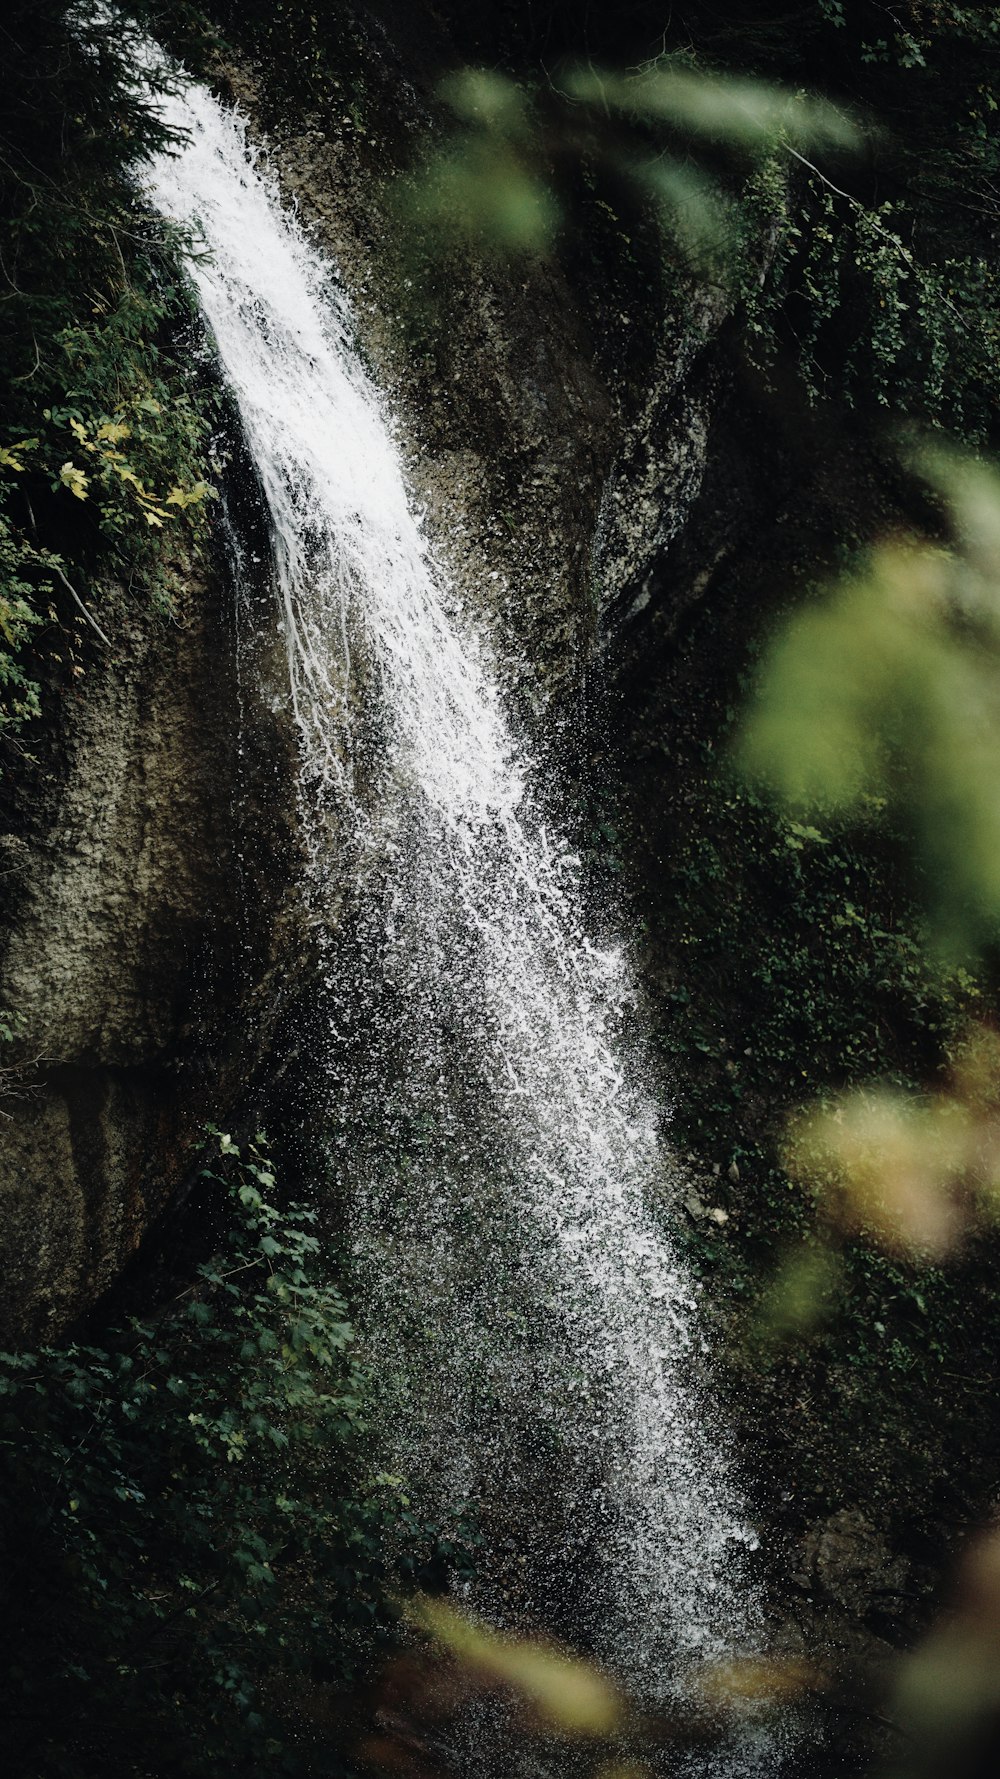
{"type": "Point", "coordinates": [537, 1336]}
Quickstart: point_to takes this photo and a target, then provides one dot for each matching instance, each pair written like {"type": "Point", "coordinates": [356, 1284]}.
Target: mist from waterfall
{"type": "Point", "coordinates": [537, 1338]}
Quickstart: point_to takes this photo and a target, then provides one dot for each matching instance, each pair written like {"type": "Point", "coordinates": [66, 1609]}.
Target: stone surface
{"type": "Point", "coordinates": [849, 1562]}
{"type": "Point", "coordinates": [131, 954]}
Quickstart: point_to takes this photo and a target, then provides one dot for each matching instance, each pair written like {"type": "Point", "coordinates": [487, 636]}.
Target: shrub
{"type": "Point", "coordinates": [191, 1538]}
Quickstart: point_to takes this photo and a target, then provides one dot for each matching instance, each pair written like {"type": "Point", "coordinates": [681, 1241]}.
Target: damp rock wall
{"type": "Point", "coordinates": [137, 981]}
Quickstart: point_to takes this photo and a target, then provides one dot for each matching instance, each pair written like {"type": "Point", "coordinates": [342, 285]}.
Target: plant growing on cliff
{"type": "Point", "coordinates": [834, 182]}
{"type": "Point", "coordinates": [193, 1545]}
{"type": "Point", "coordinates": [103, 430]}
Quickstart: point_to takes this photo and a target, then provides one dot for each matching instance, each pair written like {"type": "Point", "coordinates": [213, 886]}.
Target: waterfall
{"type": "Point", "coordinates": [536, 1336]}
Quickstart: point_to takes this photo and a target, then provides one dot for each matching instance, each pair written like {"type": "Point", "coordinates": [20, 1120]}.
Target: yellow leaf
{"type": "Point", "coordinates": [187, 497]}
{"type": "Point", "coordinates": [751, 1679]}
{"type": "Point", "coordinates": [10, 455]}
{"type": "Point", "coordinates": [114, 431]}
{"type": "Point", "coordinates": [80, 430]}
{"type": "Point", "coordinates": [885, 1165]}
{"type": "Point", "coordinates": [74, 479]}
{"type": "Point", "coordinates": [566, 1693]}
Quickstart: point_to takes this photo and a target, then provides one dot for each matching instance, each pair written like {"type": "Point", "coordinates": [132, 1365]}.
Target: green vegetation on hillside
{"type": "Point", "coordinates": [195, 1552]}
{"type": "Point", "coordinates": [106, 418]}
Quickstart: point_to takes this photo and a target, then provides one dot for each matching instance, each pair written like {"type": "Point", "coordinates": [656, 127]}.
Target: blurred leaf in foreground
{"type": "Point", "coordinates": [885, 695]}
{"type": "Point", "coordinates": [760, 1680]}
{"type": "Point", "coordinates": [564, 1692]}
{"type": "Point", "coordinates": [485, 191]}
{"type": "Point", "coordinates": [800, 1294]}
{"type": "Point", "coordinates": [496, 177]}
{"type": "Point", "coordinates": [490, 100]}
{"type": "Point", "coordinates": [694, 209]}
{"type": "Point", "coordinates": [486, 182]}
{"type": "Point", "coordinates": [910, 1172]}
{"type": "Point", "coordinates": [749, 114]}
{"type": "Point", "coordinates": [882, 1165]}
{"type": "Point", "coordinates": [947, 1699]}
{"type": "Point", "coordinates": [616, 1770]}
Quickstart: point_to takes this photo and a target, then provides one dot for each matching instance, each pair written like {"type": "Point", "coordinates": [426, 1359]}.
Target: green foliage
{"type": "Point", "coordinates": [21, 567]}
{"type": "Point", "coordinates": [885, 690]}
{"type": "Point", "coordinates": [135, 438]}
{"type": "Point", "coordinates": [192, 1537]}
{"type": "Point", "coordinates": [791, 966]}
{"type": "Point", "coordinates": [789, 963]}
{"type": "Point", "coordinates": [839, 185]}
{"type": "Point", "coordinates": [104, 433]}
{"type": "Point", "coordinates": [882, 287]}
{"type": "Point", "coordinates": [11, 1024]}
{"type": "Point", "coordinates": [871, 323]}
{"type": "Point", "coordinates": [804, 954]}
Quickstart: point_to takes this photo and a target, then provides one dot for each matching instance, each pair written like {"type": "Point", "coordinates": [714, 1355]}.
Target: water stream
{"type": "Point", "coordinates": [536, 1335]}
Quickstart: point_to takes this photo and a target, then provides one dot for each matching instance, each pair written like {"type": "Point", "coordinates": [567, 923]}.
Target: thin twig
{"type": "Point", "coordinates": [886, 234]}
{"type": "Point", "coordinates": [91, 620]}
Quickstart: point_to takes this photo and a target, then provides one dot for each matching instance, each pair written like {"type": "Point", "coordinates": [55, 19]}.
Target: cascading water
{"type": "Point", "coordinates": [536, 1336]}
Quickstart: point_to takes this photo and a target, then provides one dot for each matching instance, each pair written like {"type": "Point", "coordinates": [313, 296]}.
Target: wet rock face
{"type": "Point", "coordinates": [87, 1154]}
{"type": "Point", "coordinates": [558, 467]}
{"type": "Point", "coordinates": [115, 949]}
{"type": "Point", "coordinates": [124, 879]}
{"type": "Point", "coordinates": [125, 959]}
{"type": "Point", "coordinates": [850, 1565]}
